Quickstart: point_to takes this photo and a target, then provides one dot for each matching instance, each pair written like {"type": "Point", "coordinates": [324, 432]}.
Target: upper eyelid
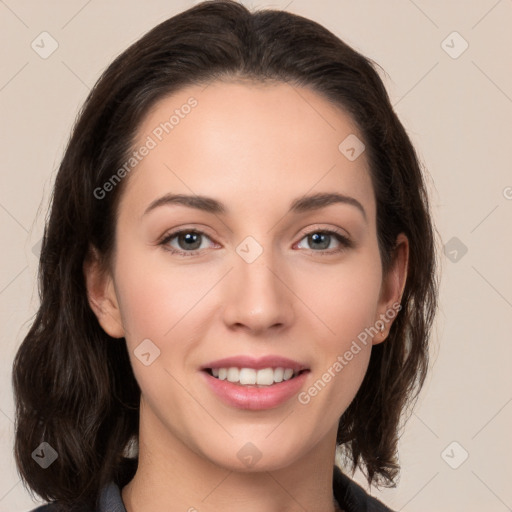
{"type": "Point", "coordinates": [305, 232]}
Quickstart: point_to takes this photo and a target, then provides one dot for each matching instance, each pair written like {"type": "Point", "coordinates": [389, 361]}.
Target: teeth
{"type": "Point", "coordinates": [264, 377]}
{"type": "Point", "coordinates": [244, 376]}
{"type": "Point", "coordinates": [250, 376]}
{"type": "Point", "coordinates": [233, 375]}
{"type": "Point", "coordinates": [288, 374]}
{"type": "Point", "coordinates": [278, 374]}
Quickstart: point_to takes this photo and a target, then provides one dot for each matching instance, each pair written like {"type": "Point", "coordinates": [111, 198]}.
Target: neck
{"type": "Point", "coordinates": [170, 476]}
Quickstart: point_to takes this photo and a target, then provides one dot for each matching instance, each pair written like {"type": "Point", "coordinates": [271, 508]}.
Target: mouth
{"type": "Point", "coordinates": [255, 385]}
{"type": "Point", "coordinates": [252, 377]}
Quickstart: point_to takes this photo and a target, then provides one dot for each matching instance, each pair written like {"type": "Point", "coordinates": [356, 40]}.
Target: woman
{"type": "Point", "coordinates": [237, 278]}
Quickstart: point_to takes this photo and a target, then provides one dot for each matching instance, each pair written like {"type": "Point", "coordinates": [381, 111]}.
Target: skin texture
{"type": "Point", "coordinates": [255, 148]}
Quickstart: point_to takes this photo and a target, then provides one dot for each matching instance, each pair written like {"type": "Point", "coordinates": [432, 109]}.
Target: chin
{"type": "Point", "coordinates": [253, 457]}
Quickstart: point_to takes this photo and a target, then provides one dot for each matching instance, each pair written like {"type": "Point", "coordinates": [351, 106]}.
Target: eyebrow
{"type": "Point", "coordinates": [300, 205]}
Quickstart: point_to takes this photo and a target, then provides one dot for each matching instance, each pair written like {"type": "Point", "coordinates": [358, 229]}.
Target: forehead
{"type": "Point", "coordinates": [250, 145]}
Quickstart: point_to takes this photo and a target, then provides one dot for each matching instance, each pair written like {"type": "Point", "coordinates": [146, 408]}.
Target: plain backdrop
{"type": "Point", "coordinates": [449, 74]}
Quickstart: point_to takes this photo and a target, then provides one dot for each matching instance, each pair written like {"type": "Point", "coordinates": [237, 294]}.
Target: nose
{"type": "Point", "coordinates": [258, 298]}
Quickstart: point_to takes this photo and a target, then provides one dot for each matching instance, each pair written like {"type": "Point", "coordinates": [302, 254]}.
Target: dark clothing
{"type": "Point", "coordinates": [350, 496]}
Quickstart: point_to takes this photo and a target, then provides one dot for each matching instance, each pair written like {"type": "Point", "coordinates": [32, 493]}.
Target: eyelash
{"type": "Point", "coordinates": [345, 242]}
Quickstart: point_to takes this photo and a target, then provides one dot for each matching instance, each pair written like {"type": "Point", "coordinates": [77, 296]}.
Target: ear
{"type": "Point", "coordinates": [101, 294]}
{"type": "Point", "coordinates": [393, 285]}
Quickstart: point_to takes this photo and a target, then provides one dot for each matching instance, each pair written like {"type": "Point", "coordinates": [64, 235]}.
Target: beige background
{"type": "Point", "coordinates": [458, 113]}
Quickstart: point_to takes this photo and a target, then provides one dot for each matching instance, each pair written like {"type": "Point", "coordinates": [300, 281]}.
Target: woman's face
{"type": "Point", "coordinates": [249, 266]}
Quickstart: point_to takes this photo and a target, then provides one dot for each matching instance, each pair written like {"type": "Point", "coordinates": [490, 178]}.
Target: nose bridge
{"type": "Point", "coordinates": [258, 299]}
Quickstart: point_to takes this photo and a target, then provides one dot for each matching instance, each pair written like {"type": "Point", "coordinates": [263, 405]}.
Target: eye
{"type": "Point", "coordinates": [321, 241]}
{"type": "Point", "coordinates": [189, 242]}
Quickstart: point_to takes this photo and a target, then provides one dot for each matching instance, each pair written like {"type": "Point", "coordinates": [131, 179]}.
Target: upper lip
{"type": "Point", "coordinates": [259, 363]}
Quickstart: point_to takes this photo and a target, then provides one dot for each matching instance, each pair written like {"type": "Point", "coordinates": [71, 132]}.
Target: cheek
{"type": "Point", "coordinates": [344, 302]}
{"type": "Point", "coordinates": [343, 298]}
{"type": "Point", "coordinates": [154, 297]}
{"type": "Point", "coordinates": [167, 305]}
{"type": "Point", "coordinates": [158, 303]}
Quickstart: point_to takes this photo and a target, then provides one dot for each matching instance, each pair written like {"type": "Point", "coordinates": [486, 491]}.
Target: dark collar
{"type": "Point", "coordinates": [350, 496]}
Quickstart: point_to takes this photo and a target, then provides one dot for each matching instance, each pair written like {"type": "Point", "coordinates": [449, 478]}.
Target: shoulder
{"type": "Point", "coordinates": [57, 507]}
{"type": "Point", "coordinates": [109, 501]}
{"type": "Point", "coordinates": [352, 497]}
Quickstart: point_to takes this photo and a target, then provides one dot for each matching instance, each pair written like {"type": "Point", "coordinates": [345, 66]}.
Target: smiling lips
{"type": "Point", "coordinates": [255, 384]}
{"type": "Point", "coordinates": [246, 370]}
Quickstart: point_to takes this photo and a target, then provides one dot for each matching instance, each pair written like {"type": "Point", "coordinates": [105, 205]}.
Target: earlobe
{"type": "Point", "coordinates": [393, 286]}
{"type": "Point", "coordinates": [101, 295]}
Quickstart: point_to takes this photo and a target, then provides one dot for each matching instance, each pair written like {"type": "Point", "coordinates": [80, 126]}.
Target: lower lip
{"type": "Point", "coordinates": [255, 398]}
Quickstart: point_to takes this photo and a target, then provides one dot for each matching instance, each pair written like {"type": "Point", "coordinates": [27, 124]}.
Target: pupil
{"type": "Point", "coordinates": [190, 239]}
{"type": "Point", "coordinates": [318, 236]}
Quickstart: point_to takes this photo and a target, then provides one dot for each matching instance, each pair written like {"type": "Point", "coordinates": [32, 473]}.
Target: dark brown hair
{"type": "Point", "coordinates": [74, 386]}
